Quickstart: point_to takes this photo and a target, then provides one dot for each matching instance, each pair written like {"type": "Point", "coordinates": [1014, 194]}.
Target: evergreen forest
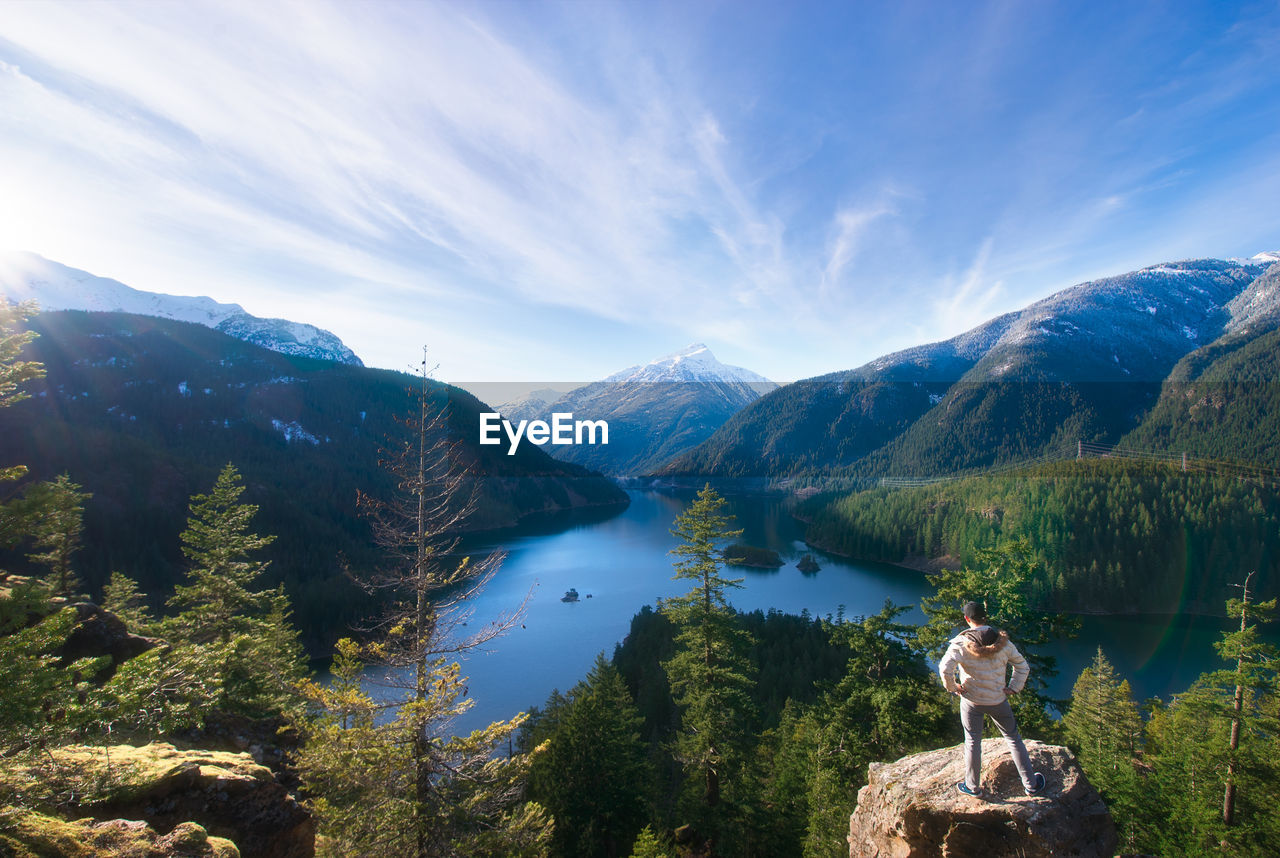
{"type": "Point", "coordinates": [1110, 535]}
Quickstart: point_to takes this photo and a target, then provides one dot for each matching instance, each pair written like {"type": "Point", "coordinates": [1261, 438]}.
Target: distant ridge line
{"type": "Point", "coordinates": [1084, 450]}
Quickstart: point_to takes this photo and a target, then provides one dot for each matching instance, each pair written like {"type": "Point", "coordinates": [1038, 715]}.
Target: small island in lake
{"type": "Point", "coordinates": [740, 554]}
{"type": "Point", "coordinates": [570, 595]}
{"type": "Point", "coordinates": [807, 564]}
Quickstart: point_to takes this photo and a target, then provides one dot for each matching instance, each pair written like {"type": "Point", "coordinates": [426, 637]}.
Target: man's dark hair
{"type": "Point", "coordinates": [975, 611]}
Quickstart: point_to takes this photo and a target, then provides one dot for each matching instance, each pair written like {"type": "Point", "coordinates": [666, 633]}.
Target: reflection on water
{"type": "Point", "coordinates": [622, 563]}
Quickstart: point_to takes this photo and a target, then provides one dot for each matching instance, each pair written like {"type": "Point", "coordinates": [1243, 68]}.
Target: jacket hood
{"type": "Point", "coordinates": [985, 642]}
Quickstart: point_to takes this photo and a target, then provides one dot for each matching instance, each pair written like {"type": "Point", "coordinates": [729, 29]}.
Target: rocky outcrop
{"type": "Point", "coordinates": [911, 809]}
{"type": "Point", "coordinates": [272, 742]}
{"type": "Point", "coordinates": [226, 794]}
{"type": "Point", "coordinates": [34, 835]}
{"type": "Point", "coordinates": [99, 632]}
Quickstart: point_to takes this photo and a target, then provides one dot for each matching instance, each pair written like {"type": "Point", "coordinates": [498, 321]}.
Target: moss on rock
{"type": "Point", "coordinates": [35, 835]}
{"type": "Point", "coordinates": [172, 790]}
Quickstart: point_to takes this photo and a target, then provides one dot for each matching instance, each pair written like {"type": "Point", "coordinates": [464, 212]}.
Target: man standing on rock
{"type": "Point", "coordinates": [983, 657]}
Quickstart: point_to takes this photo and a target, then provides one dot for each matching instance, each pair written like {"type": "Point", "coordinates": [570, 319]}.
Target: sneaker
{"type": "Point", "coordinates": [964, 788]}
{"type": "Point", "coordinates": [1039, 785]}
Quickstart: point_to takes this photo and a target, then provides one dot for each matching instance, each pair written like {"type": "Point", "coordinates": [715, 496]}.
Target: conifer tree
{"type": "Point", "coordinates": [406, 786]}
{"type": "Point", "coordinates": [1255, 675]}
{"type": "Point", "coordinates": [15, 372]}
{"type": "Point", "coordinates": [649, 845]}
{"type": "Point", "coordinates": [121, 596]}
{"type": "Point", "coordinates": [55, 511]}
{"type": "Point", "coordinates": [888, 704]}
{"type": "Point", "coordinates": [1001, 580]}
{"type": "Point", "coordinates": [35, 692]}
{"type": "Point", "coordinates": [593, 774]}
{"type": "Point", "coordinates": [222, 553]}
{"type": "Point", "coordinates": [1103, 724]}
{"type": "Point", "coordinates": [1215, 751]}
{"type": "Point", "coordinates": [710, 673]}
{"type": "Point", "coordinates": [243, 634]}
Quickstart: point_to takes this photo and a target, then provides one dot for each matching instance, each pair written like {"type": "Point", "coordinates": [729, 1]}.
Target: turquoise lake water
{"type": "Point", "coordinates": [622, 563]}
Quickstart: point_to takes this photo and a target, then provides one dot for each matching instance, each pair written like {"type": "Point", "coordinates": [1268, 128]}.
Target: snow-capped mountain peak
{"type": "Point", "coordinates": [692, 363]}
{"type": "Point", "coordinates": [30, 277]}
{"type": "Point", "coordinates": [1266, 257]}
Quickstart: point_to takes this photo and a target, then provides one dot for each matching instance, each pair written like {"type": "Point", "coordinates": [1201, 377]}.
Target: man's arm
{"type": "Point", "coordinates": [1021, 670]}
{"type": "Point", "coordinates": [947, 670]}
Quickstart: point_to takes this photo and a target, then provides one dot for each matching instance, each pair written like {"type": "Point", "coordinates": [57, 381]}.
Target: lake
{"type": "Point", "coordinates": [622, 563]}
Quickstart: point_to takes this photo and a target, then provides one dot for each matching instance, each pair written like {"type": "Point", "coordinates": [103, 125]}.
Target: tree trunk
{"type": "Point", "coordinates": [1229, 795]}
{"type": "Point", "coordinates": [421, 749]}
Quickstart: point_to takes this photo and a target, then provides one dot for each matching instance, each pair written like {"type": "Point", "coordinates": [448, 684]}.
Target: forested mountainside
{"type": "Point", "coordinates": [1085, 364]}
{"type": "Point", "coordinates": [1222, 401]}
{"type": "Point", "coordinates": [1110, 536]}
{"type": "Point", "coordinates": [144, 412]}
{"type": "Point", "coordinates": [1176, 533]}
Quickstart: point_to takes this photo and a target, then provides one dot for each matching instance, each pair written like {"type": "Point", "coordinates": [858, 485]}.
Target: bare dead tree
{"type": "Point", "coordinates": [429, 584]}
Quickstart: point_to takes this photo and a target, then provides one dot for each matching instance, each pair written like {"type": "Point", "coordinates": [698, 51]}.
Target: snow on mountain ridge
{"type": "Point", "coordinates": [54, 286]}
{"type": "Point", "coordinates": [30, 277]}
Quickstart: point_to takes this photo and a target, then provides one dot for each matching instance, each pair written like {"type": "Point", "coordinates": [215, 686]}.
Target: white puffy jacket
{"type": "Point", "coordinates": [983, 668]}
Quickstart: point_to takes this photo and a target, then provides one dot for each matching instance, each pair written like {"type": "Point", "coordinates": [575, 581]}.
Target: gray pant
{"type": "Point", "coordinates": [1001, 713]}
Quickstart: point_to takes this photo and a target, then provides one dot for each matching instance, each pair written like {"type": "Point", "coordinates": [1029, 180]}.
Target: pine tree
{"type": "Point", "coordinates": [1255, 674]}
{"type": "Point", "coordinates": [1001, 580]}
{"type": "Point", "coordinates": [781, 770]}
{"type": "Point", "coordinates": [592, 775]}
{"type": "Point", "coordinates": [121, 596]}
{"type": "Point", "coordinates": [1103, 724]}
{"type": "Point", "coordinates": [221, 549]}
{"type": "Point", "coordinates": [55, 511]}
{"type": "Point", "coordinates": [888, 704]}
{"type": "Point", "coordinates": [649, 845]}
{"type": "Point", "coordinates": [36, 693]}
{"type": "Point", "coordinates": [710, 672]}
{"type": "Point", "coordinates": [15, 372]}
{"type": "Point", "coordinates": [406, 786]}
{"type": "Point", "coordinates": [242, 634]}
{"type": "Point", "coordinates": [1216, 751]}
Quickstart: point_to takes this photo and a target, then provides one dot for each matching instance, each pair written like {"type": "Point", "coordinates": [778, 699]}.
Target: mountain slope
{"type": "Point", "coordinates": [28, 277]}
{"type": "Point", "coordinates": [657, 410]}
{"type": "Point", "coordinates": [1222, 401]}
{"type": "Point", "coordinates": [143, 412]}
{"type": "Point", "coordinates": [1083, 364]}
{"type": "Point", "coordinates": [834, 420]}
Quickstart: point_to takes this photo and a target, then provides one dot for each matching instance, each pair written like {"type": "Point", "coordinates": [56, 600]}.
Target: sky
{"type": "Point", "coordinates": [550, 192]}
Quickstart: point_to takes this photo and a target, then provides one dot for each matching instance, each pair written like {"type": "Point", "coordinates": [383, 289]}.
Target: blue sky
{"type": "Point", "coordinates": [551, 192]}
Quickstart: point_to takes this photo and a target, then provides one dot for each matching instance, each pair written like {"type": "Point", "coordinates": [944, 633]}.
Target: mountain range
{"type": "Point", "coordinates": [143, 412]}
{"type": "Point", "coordinates": [655, 411]}
{"type": "Point", "coordinates": [1089, 363]}
{"type": "Point", "coordinates": [53, 286]}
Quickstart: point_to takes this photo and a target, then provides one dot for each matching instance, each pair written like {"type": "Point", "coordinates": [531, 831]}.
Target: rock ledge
{"type": "Point", "coordinates": [911, 809]}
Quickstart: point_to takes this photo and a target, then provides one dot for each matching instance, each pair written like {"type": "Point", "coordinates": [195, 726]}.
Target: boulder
{"type": "Point", "coordinates": [99, 632]}
{"type": "Point", "coordinates": [34, 835]}
{"type": "Point", "coordinates": [227, 794]}
{"type": "Point", "coordinates": [272, 742]}
{"type": "Point", "coordinates": [912, 809]}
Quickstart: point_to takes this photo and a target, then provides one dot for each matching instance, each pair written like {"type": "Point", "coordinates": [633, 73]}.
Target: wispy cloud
{"type": "Point", "coordinates": [606, 175]}
{"type": "Point", "coordinates": [851, 227]}
{"type": "Point", "coordinates": [967, 301]}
